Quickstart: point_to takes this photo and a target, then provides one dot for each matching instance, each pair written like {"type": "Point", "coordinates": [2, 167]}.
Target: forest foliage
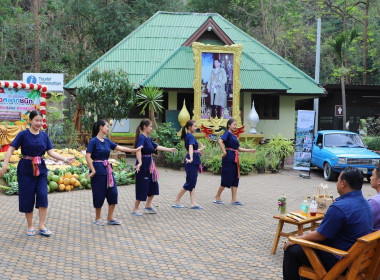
{"type": "Point", "coordinates": [74, 33]}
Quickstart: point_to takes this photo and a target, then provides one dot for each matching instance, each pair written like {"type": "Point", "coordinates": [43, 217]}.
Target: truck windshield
{"type": "Point", "coordinates": [343, 140]}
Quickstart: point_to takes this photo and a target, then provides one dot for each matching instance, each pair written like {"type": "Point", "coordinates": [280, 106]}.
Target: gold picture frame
{"type": "Point", "coordinates": [233, 85]}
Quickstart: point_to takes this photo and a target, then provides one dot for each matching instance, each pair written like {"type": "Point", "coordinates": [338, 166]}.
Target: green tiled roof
{"type": "Point", "coordinates": [178, 72]}
{"type": "Point", "coordinates": [152, 55]}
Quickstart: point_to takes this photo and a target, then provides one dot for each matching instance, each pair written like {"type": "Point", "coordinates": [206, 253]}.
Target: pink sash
{"type": "Point", "coordinates": [110, 182]}
{"type": "Point", "coordinates": [153, 168]}
{"type": "Point", "coordinates": [36, 161]}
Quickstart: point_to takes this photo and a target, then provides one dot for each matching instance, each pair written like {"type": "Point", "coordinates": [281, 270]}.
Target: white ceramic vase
{"type": "Point", "coordinates": [253, 119]}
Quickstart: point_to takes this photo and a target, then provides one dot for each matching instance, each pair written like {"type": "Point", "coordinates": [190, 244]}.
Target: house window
{"type": "Point", "coordinates": [267, 106]}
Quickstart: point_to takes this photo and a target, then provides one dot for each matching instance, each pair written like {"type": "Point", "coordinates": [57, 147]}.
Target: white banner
{"type": "Point", "coordinates": [304, 140]}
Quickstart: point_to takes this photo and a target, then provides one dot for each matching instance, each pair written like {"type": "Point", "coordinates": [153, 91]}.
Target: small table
{"type": "Point", "coordinates": [283, 219]}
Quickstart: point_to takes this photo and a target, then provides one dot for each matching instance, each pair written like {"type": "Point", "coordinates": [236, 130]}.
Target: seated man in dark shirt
{"type": "Point", "coordinates": [347, 219]}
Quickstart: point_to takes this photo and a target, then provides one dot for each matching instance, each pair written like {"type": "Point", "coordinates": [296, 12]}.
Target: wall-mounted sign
{"type": "Point", "coordinates": [53, 81]}
{"type": "Point", "coordinates": [338, 110]}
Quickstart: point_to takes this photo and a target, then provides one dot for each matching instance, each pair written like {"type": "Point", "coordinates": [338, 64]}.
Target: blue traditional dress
{"type": "Point", "coordinates": [193, 167]}
{"type": "Point", "coordinates": [230, 163]}
{"type": "Point", "coordinates": [147, 177]}
{"type": "Point", "coordinates": [102, 183]}
{"type": "Point", "coordinates": [31, 170]}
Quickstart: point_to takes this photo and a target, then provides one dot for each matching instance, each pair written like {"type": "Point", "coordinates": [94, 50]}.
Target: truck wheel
{"type": "Point", "coordinates": [328, 173]}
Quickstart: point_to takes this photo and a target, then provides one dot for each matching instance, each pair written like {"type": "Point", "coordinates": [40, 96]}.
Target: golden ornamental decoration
{"type": "Point", "coordinates": [183, 115]}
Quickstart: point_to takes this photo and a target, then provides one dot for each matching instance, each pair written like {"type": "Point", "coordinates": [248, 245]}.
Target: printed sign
{"type": "Point", "coordinates": [338, 110]}
{"type": "Point", "coordinates": [16, 104]}
{"type": "Point", "coordinates": [53, 81]}
{"type": "Point", "coordinates": [304, 140]}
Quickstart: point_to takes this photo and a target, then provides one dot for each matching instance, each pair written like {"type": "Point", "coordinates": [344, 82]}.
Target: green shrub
{"type": "Point", "coordinates": [215, 164]}
{"type": "Point", "coordinates": [211, 149]}
{"type": "Point", "coordinates": [248, 145]}
{"type": "Point", "coordinates": [166, 135]}
{"type": "Point", "coordinates": [277, 150]}
{"type": "Point", "coordinates": [373, 143]}
{"type": "Point", "coordinates": [373, 126]}
{"type": "Point", "coordinates": [175, 159]}
{"type": "Point", "coordinates": [212, 157]}
{"type": "Point", "coordinates": [246, 161]}
{"type": "Point", "coordinates": [260, 157]}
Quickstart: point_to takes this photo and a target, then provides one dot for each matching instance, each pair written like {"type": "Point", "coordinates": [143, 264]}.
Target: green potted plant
{"type": "Point", "coordinates": [279, 148]}
{"type": "Point", "coordinates": [168, 159]}
{"type": "Point", "coordinates": [274, 162]}
{"type": "Point", "coordinates": [260, 160]}
{"type": "Point", "coordinates": [179, 156]}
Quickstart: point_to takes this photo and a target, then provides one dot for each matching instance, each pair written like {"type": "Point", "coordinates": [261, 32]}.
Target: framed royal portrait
{"type": "Point", "coordinates": [216, 83]}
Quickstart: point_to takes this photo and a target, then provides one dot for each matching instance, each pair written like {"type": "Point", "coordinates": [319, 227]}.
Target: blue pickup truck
{"type": "Point", "coordinates": [333, 150]}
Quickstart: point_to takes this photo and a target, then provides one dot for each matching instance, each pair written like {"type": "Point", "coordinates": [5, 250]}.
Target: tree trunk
{"type": "Point", "coordinates": [365, 38]}
{"type": "Point", "coordinates": [36, 37]}
{"type": "Point", "coordinates": [265, 20]}
{"type": "Point", "coordinates": [152, 118]}
{"type": "Point", "coordinates": [343, 102]}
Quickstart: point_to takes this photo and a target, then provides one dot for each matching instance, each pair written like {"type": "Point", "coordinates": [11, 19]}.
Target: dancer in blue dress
{"type": "Point", "coordinates": [102, 180]}
{"type": "Point", "coordinates": [192, 164]}
{"type": "Point", "coordinates": [146, 171]}
{"type": "Point", "coordinates": [229, 144]}
{"type": "Point", "coordinates": [32, 171]}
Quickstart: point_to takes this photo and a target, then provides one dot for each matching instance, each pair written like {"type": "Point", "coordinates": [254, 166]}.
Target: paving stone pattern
{"type": "Point", "coordinates": [218, 242]}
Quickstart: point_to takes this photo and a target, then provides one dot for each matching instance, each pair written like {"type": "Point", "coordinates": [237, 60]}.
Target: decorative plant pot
{"type": "Point", "coordinates": [274, 171]}
{"type": "Point", "coordinates": [260, 170]}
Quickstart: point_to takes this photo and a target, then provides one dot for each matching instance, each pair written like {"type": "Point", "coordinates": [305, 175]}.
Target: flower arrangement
{"type": "Point", "coordinates": [282, 204]}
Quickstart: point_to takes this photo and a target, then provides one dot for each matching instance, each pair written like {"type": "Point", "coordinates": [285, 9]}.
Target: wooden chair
{"type": "Point", "coordinates": [362, 261]}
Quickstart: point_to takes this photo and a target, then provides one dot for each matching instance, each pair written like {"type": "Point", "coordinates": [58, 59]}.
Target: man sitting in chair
{"type": "Point", "coordinates": [347, 219]}
{"type": "Point", "coordinates": [375, 200]}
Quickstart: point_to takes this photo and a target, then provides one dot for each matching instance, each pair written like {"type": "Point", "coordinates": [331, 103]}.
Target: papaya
{"type": "Point", "coordinates": [53, 186]}
{"type": "Point", "coordinates": [55, 178]}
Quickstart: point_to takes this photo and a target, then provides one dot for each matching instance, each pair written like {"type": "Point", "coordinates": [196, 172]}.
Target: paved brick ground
{"type": "Point", "coordinates": [219, 242]}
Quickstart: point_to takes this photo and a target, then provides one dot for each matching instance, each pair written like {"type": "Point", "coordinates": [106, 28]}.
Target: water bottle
{"type": "Point", "coordinates": [313, 208]}
{"type": "Point", "coordinates": [305, 207]}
